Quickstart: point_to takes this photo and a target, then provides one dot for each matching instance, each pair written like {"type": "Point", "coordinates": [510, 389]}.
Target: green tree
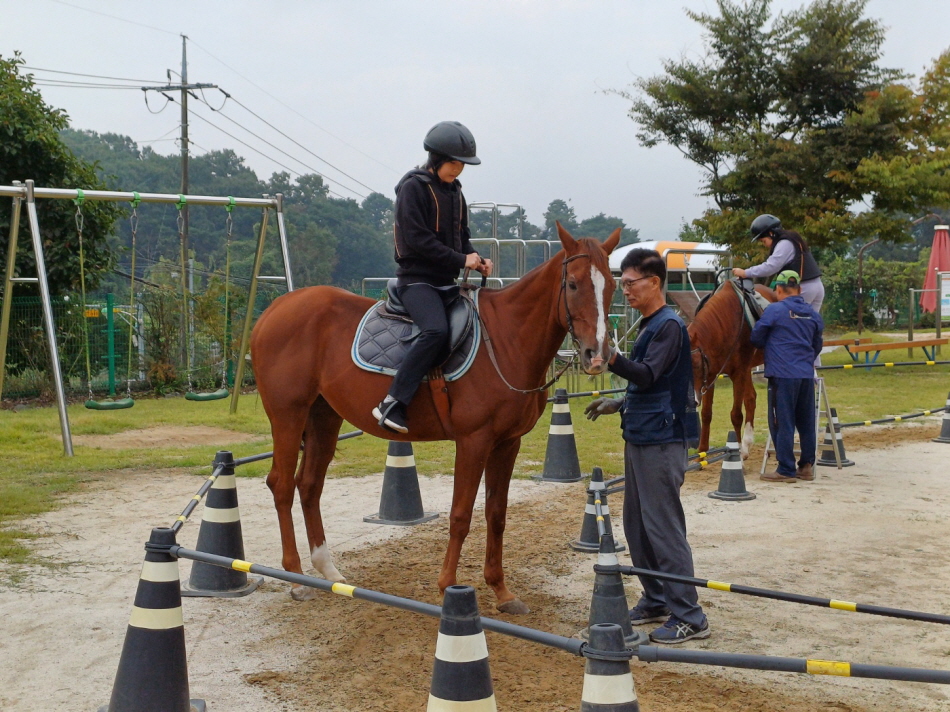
{"type": "Point", "coordinates": [601, 226]}
{"type": "Point", "coordinates": [559, 211]}
{"type": "Point", "coordinates": [794, 115]}
{"type": "Point", "coordinates": [31, 148]}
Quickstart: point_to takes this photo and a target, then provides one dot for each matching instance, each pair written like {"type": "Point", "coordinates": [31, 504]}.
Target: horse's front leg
{"type": "Point", "coordinates": [707, 413]}
{"type": "Point", "coordinates": [471, 455]}
{"type": "Point", "coordinates": [497, 478]}
{"type": "Point", "coordinates": [743, 392]}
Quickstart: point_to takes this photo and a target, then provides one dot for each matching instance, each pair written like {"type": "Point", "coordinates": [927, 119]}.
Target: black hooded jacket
{"type": "Point", "coordinates": [431, 231]}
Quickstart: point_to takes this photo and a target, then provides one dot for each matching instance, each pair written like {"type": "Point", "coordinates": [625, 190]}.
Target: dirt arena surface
{"type": "Point", "coordinates": [874, 533]}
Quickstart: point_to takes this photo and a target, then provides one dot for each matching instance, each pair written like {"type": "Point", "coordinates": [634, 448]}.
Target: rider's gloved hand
{"type": "Point", "coordinates": [602, 406]}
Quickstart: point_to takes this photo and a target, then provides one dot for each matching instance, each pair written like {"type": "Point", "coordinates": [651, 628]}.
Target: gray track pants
{"type": "Point", "coordinates": [655, 526]}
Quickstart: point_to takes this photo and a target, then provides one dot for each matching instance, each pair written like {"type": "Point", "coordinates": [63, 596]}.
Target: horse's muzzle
{"type": "Point", "coordinates": [593, 362]}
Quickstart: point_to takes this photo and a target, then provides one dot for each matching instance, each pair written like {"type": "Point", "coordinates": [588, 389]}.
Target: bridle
{"type": "Point", "coordinates": [562, 294]}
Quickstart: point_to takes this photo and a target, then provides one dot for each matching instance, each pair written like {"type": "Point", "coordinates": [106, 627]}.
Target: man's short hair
{"type": "Point", "coordinates": [647, 262]}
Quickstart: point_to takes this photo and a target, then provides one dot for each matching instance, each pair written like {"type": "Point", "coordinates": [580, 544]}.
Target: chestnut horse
{"type": "Point", "coordinates": [309, 385]}
{"type": "Point", "coordinates": [719, 335]}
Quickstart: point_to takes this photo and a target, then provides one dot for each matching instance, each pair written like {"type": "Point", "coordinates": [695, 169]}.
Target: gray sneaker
{"type": "Point", "coordinates": [640, 615]}
{"type": "Point", "coordinates": [675, 631]}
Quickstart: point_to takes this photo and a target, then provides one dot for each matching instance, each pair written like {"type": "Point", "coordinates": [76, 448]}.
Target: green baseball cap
{"type": "Point", "coordinates": [788, 278]}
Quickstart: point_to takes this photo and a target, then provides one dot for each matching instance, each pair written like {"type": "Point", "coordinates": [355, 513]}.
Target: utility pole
{"type": "Point", "coordinates": [184, 87]}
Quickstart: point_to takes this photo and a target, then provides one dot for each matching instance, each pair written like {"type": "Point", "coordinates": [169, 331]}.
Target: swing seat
{"type": "Point", "coordinates": [109, 404]}
{"type": "Point", "coordinates": [210, 396]}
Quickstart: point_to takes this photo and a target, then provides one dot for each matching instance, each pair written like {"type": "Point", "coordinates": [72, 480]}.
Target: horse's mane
{"type": "Point", "coordinates": [718, 316]}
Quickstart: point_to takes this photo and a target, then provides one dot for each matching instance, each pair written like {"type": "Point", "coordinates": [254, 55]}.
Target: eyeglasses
{"type": "Point", "coordinates": [627, 283]}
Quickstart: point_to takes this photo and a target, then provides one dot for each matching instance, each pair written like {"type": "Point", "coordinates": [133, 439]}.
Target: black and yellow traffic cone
{"type": "Point", "coordinates": [608, 604]}
{"type": "Point", "coordinates": [560, 458]}
{"type": "Point", "coordinates": [732, 477]}
{"type": "Point", "coordinates": [153, 668]}
{"type": "Point", "coordinates": [608, 682]}
{"type": "Point", "coordinates": [221, 534]}
{"type": "Point", "coordinates": [944, 436]}
{"type": "Point", "coordinates": [827, 457]}
{"type": "Point", "coordinates": [589, 539]}
{"type": "Point", "coordinates": [400, 502]}
{"type": "Point", "coordinates": [461, 678]}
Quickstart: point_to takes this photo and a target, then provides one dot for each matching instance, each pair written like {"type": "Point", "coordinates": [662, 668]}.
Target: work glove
{"type": "Point", "coordinates": [602, 406]}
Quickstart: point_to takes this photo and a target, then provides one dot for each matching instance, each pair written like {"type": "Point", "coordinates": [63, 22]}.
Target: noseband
{"type": "Point", "coordinates": [562, 294]}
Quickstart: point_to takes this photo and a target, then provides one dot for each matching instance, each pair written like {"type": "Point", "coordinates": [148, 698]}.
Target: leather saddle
{"type": "Point", "coordinates": [386, 333]}
{"type": "Point", "coordinates": [753, 304]}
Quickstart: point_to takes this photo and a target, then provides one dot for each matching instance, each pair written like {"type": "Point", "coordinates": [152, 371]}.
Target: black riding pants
{"type": "Point", "coordinates": [426, 305]}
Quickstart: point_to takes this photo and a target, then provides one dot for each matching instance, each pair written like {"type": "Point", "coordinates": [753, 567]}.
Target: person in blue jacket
{"type": "Point", "coordinates": [790, 331]}
{"type": "Point", "coordinates": [659, 421]}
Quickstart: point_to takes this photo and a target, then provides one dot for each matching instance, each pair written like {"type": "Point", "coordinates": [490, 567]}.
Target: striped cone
{"type": "Point", "coordinates": [153, 669]}
{"type": "Point", "coordinates": [944, 436]}
{"type": "Point", "coordinates": [589, 539]}
{"type": "Point", "coordinates": [221, 534]}
{"type": "Point", "coordinates": [608, 682]}
{"type": "Point", "coordinates": [400, 502]}
{"type": "Point", "coordinates": [827, 457]}
{"type": "Point", "coordinates": [560, 458]}
{"type": "Point", "coordinates": [608, 604]}
{"type": "Point", "coordinates": [732, 477]}
{"type": "Point", "coordinates": [461, 678]}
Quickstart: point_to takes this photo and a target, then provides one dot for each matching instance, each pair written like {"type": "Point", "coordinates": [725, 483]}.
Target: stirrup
{"type": "Point", "coordinates": [382, 414]}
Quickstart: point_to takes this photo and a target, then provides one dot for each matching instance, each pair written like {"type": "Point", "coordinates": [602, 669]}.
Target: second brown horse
{"type": "Point", "coordinates": [309, 385]}
{"type": "Point", "coordinates": [719, 335]}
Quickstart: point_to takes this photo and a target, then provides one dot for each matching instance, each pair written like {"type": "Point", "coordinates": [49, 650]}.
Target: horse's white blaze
{"type": "Point", "coordinates": [323, 562]}
{"type": "Point", "coordinates": [748, 437]}
{"type": "Point", "coordinates": [600, 284]}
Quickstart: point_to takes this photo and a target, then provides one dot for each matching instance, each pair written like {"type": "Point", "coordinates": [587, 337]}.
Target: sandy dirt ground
{"type": "Point", "coordinates": [874, 533]}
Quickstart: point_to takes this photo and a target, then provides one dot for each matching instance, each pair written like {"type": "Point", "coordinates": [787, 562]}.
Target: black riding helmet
{"type": "Point", "coordinates": [452, 139]}
{"type": "Point", "coordinates": [763, 225]}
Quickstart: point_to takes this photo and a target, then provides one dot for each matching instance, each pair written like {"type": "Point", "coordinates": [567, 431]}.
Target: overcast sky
{"type": "Point", "coordinates": [369, 78]}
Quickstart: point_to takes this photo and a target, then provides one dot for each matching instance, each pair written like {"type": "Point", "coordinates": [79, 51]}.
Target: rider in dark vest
{"type": "Point", "coordinates": [432, 243]}
{"type": "Point", "coordinates": [787, 251]}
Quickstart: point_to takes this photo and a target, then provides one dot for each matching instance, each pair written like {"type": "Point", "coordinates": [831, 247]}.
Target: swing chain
{"type": "Point", "coordinates": [134, 225]}
{"type": "Point", "coordinates": [80, 223]}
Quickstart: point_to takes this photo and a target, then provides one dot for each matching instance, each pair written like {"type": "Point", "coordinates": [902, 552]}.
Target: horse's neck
{"type": "Point", "coordinates": [524, 321]}
{"type": "Point", "coordinates": [715, 327]}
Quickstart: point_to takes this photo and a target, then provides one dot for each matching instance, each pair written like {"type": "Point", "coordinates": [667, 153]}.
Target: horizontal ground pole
{"type": "Point", "coordinates": [887, 364]}
{"type": "Point", "coordinates": [202, 491]}
{"type": "Point", "coordinates": [653, 654]}
{"type": "Point", "coordinates": [268, 455]}
{"type": "Point", "coordinates": [789, 597]}
{"type": "Point", "coordinates": [894, 419]}
{"type": "Point", "coordinates": [571, 645]}
{"type": "Point", "coordinates": [593, 394]}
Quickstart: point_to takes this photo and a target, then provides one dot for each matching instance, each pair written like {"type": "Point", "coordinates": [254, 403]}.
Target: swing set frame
{"type": "Point", "coordinates": [25, 195]}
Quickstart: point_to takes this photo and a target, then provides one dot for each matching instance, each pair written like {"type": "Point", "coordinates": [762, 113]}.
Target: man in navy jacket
{"type": "Point", "coordinates": [659, 420]}
{"type": "Point", "coordinates": [790, 332]}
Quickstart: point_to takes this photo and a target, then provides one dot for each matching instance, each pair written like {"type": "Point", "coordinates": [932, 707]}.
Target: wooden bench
{"type": "Point", "coordinates": [929, 347]}
{"type": "Point", "coordinates": [847, 343]}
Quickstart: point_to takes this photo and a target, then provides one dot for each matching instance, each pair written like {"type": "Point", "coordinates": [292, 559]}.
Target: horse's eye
{"type": "Point", "coordinates": [572, 286]}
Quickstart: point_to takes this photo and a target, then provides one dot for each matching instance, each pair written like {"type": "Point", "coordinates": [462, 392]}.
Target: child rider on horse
{"type": "Point", "coordinates": [432, 241]}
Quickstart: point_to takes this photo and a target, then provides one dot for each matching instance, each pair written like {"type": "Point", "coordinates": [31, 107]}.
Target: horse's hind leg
{"type": "Point", "coordinates": [287, 429]}
{"type": "Point", "coordinates": [320, 436]}
{"type": "Point", "coordinates": [743, 394]}
{"type": "Point", "coordinates": [497, 478]}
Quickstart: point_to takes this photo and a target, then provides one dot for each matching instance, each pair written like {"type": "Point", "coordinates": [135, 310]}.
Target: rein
{"type": "Point", "coordinates": [562, 293]}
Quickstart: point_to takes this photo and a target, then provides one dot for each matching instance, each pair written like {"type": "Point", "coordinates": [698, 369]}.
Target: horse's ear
{"type": "Point", "coordinates": [610, 244]}
{"type": "Point", "coordinates": [567, 242]}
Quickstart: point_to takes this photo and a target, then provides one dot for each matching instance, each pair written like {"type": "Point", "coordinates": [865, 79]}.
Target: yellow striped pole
{"type": "Point", "coordinates": [790, 597]}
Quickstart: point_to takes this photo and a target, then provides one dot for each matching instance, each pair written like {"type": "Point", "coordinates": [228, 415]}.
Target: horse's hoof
{"type": "Point", "coordinates": [515, 607]}
{"type": "Point", "coordinates": [303, 593]}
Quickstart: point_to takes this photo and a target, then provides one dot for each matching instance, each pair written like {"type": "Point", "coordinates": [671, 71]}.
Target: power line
{"type": "Point", "coordinates": [93, 76]}
{"type": "Point", "coordinates": [289, 155]}
{"type": "Point", "coordinates": [287, 106]}
{"type": "Point", "coordinates": [113, 17]}
{"type": "Point", "coordinates": [258, 151]}
{"type": "Point", "coordinates": [297, 143]}
{"type": "Point", "coordinates": [78, 85]}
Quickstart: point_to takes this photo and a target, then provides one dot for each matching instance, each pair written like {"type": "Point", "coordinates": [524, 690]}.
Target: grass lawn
{"type": "Point", "coordinates": [35, 475]}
